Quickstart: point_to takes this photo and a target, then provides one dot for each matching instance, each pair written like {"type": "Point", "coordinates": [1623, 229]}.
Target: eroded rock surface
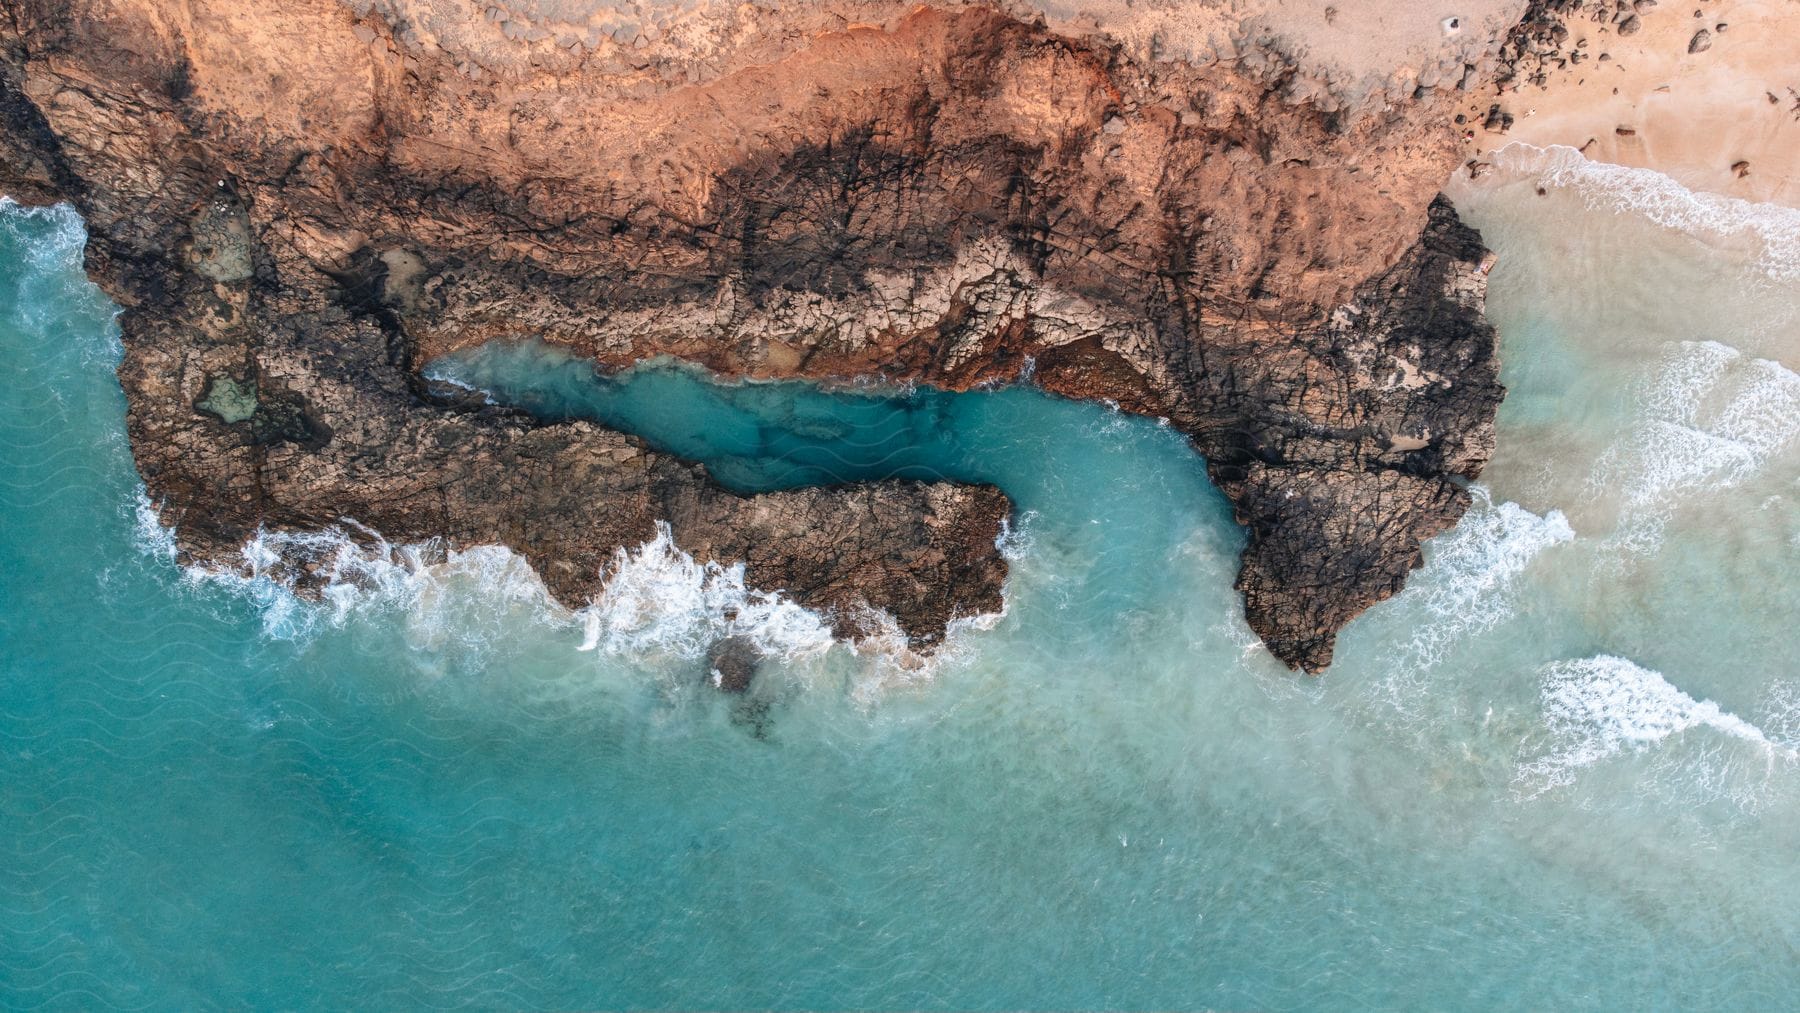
{"type": "Point", "coordinates": [299, 204]}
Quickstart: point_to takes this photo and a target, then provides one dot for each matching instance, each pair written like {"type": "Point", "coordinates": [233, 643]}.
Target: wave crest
{"type": "Point", "coordinates": [1710, 418]}
{"type": "Point", "coordinates": [1465, 588]}
{"type": "Point", "coordinates": [1600, 707]}
{"type": "Point", "coordinates": [657, 598]}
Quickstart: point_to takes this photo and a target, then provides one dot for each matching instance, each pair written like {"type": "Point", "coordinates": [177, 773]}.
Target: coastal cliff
{"type": "Point", "coordinates": [298, 206]}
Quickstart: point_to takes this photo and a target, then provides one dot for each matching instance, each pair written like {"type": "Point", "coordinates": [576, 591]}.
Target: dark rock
{"type": "Point", "coordinates": [1269, 270]}
{"type": "Point", "coordinates": [1315, 522]}
{"type": "Point", "coordinates": [1701, 42]}
{"type": "Point", "coordinates": [731, 664]}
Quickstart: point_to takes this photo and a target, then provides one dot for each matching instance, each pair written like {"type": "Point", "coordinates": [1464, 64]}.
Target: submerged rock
{"type": "Point", "coordinates": [731, 664]}
{"type": "Point", "coordinates": [1248, 248]}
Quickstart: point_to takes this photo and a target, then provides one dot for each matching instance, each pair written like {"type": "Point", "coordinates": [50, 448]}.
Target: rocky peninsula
{"type": "Point", "coordinates": [1198, 213]}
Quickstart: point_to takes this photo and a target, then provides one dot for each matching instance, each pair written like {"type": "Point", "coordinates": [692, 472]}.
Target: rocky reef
{"type": "Point", "coordinates": [299, 205]}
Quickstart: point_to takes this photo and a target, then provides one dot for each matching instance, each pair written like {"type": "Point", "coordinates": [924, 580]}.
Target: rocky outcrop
{"type": "Point", "coordinates": [1338, 486]}
{"type": "Point", "coordinates": [268, 390]}
{"type": "Point", "coordinates": [299, 205]}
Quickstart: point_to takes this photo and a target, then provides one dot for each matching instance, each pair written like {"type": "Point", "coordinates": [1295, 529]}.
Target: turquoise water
{"type": "Point", "coordinates": [1558, 771]}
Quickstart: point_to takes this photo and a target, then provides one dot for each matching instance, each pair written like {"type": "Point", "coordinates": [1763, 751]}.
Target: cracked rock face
{"type": "Point", "coordinates": [299, 205]}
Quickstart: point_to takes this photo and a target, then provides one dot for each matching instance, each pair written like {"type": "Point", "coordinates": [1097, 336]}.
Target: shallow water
{"type": "Point", "coordinates": [1558, 771]}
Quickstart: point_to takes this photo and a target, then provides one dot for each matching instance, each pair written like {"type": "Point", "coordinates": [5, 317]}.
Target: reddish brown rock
{"type": "Point", "coordinates": [297, 205]}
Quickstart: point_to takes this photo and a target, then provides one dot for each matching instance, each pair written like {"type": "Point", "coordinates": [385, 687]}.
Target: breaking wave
{"type": "Point", "coordinates": [1773, 230]}
{"type": "Point", "coordinates": [447, 596]}
{"type": "Point", "coordinates": [1600, 707]}
{"type": "Point", "coordinates": [1709, 418]}
{"type": "Point", "coordinates": [1466, 586]}
{"type": "Point", "coordinates": [658, 599]}
{"type": "Point", "coordinates": [655, 601]}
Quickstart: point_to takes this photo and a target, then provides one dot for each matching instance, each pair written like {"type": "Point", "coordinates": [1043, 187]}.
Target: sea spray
{"type": "Point", "coordinates": [656, 599]}
{"type": "Point", "coordinates": [1470, 572]}
{"type": "Point", "coordinates": [1601, 707]}
{"type": "Point", "coordinates": [1769, 233]}
{"type": "Point", "coordinates": [1708, 419]}
{"type": "Point", "coordinates": [656, 602]}
{"type": "Point", "coordinates": [151, 536]}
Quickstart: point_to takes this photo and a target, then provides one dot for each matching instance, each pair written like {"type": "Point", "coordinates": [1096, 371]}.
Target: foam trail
{"type": "Point", "coordinates": [1772, 229]}
{"type": "Point", "coordinates": [1599, 707]}
{"type": "Point", "coordinates": [1465, 587]}
{"type": "Point", "coordinates": [659, 599]}
{"type": "Point", "coordinates": [1781, 710]}
{"type": "Point", "coordinates": [590, 630]}
{"type": "Point", "coordinates": [1709, 419]}
{"type": "Point", "coordinates": [1017, 543]}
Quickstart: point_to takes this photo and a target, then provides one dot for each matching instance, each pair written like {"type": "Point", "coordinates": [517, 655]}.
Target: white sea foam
{"type": "Point", "coordinates": [658, 599]}
{"type": "Point", "coordinates": [149, 534]}
{"type": "Point", "coordinates": [50, 253]}
{"type": "Point", "coordinates": [1780, 709]}
{"type": "Point", "coordinates": [1016, 542]}
{"type": "Point", "coordinates": [1466, 586]}
{"type": "Point", "coordinates": [655, 601]}
{"type": "Point", "coordinates": [448, 597]}
{"type": "Point", "coordinates": [54, 292]}
{"type": "Point", "coordinates": [1772, 229]}
{"type": "Point", "coordinates": [1709, 418]}
{"type": "Point", "coordinates": [1596, 708]}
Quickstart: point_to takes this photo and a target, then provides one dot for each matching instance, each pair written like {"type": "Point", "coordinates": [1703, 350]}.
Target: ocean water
{"type": "Point", "coordinates": [1559, 771]}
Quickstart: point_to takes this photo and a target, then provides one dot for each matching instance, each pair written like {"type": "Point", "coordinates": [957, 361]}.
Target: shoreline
{"type": "Point", "coordinates": [1626, 90]}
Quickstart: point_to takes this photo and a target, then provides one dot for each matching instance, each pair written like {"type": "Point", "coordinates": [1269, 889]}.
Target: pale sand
{"type": "Point", "coordinates": [1358, 46]}
{"type": "Point", "coordinates": [1691, 116]}
{"type": "Point", "coordinates": [1354, 48]}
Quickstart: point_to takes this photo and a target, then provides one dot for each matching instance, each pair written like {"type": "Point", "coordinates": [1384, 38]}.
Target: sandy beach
{"type": "Point", "coordinates": [1723, 117]}
{"type": "Point", "coordinates": [1621, 86]}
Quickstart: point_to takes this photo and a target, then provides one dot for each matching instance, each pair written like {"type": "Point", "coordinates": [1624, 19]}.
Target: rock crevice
{"type": "Point", "coordinates": [951, 196]}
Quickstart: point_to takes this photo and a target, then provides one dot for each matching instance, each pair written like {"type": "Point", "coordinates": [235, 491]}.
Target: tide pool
{"type": "Point", "coordinates": [1558, 771]}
